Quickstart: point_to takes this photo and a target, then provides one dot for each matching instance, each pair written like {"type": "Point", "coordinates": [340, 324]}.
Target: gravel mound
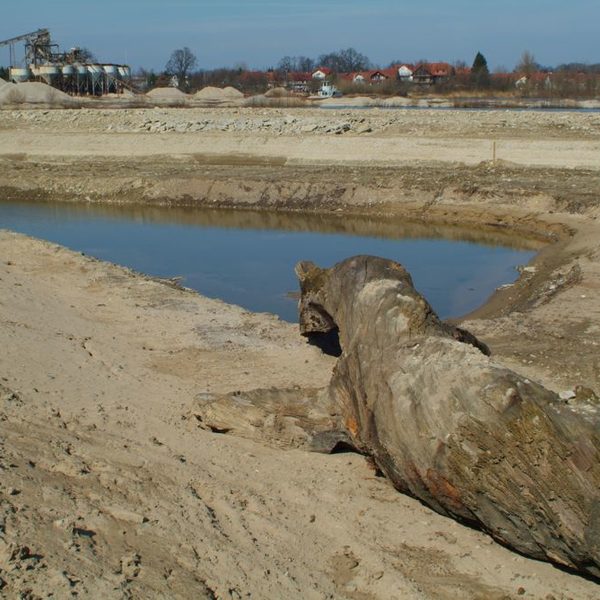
{"type": "Point", "coordinates": [167, 93]}
{"type": "Point", "coordinates": [278, 92]}
{"type": "Point", "coordinates": [33, 92]}
{"type": "Point", "coordinates": [231, 92]}
{"type": "Point", "coordinates": [211, 93]}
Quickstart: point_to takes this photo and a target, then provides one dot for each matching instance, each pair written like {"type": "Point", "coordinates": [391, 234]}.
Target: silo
{"type": "Point", "coordinates": [49, 72]}
{"type": "Point", "coordinates": [110, 78]}
{"type": "Point", "coordinates": [19, 75]}
{"type": "Point", "coordinates": [95, 73]}
{"type": "Point", "coordinates": [82, 78]}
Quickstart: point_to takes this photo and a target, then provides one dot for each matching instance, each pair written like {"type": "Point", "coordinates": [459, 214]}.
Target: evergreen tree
{"type": "Point", "coordinates": [480, 74]}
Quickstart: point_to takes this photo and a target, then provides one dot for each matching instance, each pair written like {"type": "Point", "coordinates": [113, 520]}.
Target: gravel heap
{"type": "Point", "coordinates": [211, 93]}
{"type": "Point", "coordinates": [213, 96]}
{"type": "Point", "coordinates": [166, 93]}
{"type": "Point", "coordinates": [231, 92]}
{"type": "Point", "coordinates": [33, 92]}
{"type": "Point", "coordinates": [278, 92]}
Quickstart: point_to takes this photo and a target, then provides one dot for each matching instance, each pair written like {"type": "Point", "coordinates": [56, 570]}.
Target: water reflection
{"type": "Point", "coordinates": [342, 223]}
{"type": "Point", "coordinates": [247, 257]}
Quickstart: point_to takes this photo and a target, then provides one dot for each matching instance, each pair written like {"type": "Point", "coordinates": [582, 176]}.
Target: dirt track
{"type": "Point", "coordinates": [109, 483]}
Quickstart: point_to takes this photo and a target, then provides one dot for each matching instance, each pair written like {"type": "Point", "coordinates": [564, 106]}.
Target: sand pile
{"type": "Point", "coordinates": [211, 93]}
{"type": "Point", "coordinates": [2, 82]}
{"type": "Point", "coordinates": [278, 92]}
{"type": "Point", "coordinates": [231, 92]}
{"type": "Point", "coordinates": [167, 93]}
{"type": "Point", "coordinates": [218, 96]}
{"type": "Point", "coordinates": [33, 92]}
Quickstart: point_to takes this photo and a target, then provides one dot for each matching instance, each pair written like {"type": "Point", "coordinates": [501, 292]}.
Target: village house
{"type": "Point", "coordinates": [321, 73]}
{"type": "Point", "coordinates": [405, 72]}
{"type": "Point", "coordinates": [298, 81]}
{"type": "Point", "coordinates": [373, 77]}
{"type": "Point", "coordinates": [432, 73]}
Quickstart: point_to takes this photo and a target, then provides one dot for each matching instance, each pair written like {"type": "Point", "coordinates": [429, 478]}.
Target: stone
{"type": "Point", "coordinates": [450, 426]}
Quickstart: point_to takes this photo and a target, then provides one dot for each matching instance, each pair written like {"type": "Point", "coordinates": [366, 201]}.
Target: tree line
{"type": "Point", "coordinates": [571, 79]}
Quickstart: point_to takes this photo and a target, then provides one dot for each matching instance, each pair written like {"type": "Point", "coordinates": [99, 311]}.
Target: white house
{"type": "Point", "coordinates": [321, 73]}
{"type": "Point", "coordinates": [405, 73]}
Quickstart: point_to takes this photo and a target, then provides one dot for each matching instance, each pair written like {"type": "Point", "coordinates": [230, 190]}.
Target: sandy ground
{"type": "Point", "coordinates": [110, 489]}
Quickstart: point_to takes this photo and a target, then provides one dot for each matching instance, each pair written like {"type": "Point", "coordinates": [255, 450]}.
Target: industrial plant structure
{"type": "Point", "coordinates": [69, 71]}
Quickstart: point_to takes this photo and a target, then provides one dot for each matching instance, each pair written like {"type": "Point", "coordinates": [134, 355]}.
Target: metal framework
{"type": "Point", "coordinates": [37, 46]}
{"type": "Point", "coordinates": [69, 71]}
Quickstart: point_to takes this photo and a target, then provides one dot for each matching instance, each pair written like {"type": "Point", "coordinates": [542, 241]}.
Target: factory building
{"type": "Point", "coordinates": [66, 71]}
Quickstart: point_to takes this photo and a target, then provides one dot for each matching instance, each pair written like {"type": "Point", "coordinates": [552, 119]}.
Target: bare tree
{"type": "Point", "coordinates": [85, 55]}
{"type": "Point", "coordinates": [353, 60]}
{"type": "Point", "coordinates": [289, 64]}
{"type": "Point", "coordinates": [304, 64]}
{"type": "Point", "coordinates": [286, 64]}
{"type": "Point", "coordinates": [345, 61]}
{"type": "Point", "coordinates": [527, 64]}
{"type": "Point", "coordinates": [180, 64]}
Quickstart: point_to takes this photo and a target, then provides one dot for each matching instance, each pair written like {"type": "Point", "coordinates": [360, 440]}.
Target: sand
{"type": "Point", "coordinates": [109, 487]}
{"type": "Point", "coordinates": [232, 92]}
{"type": "Point", "coordinates": [278, 92]}
{"type": "Point", "coordinates": [167, 93]}
{"type": "Point", "coordinates": [33, 92]}
{"type": "Point", "coordinates": [217, 97]}
{"type": "Point", "coordinates": [210, 93]}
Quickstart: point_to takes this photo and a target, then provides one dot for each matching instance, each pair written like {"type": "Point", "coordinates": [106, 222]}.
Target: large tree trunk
{"type": "Point", "coordinates": [447, 424]}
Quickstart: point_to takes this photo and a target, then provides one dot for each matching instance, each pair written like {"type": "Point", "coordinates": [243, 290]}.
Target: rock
{"type": "Point", "coordinates": [131, 565]}
{"type": "Point", "coordinates": [585, 394]}
{"type": "Point", "coordinates": [468, 437]}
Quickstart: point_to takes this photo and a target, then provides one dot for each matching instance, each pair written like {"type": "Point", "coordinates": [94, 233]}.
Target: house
{"type": "Point", "coordinates": [431, 73]}
{"type": "Point", "coordinates": [372, 77]}
{"type": "Point", "coordinates": [357, 78]}
{"type": "Point", "coordinates": [298, 81]}
{"type": "Point", "coordinates": [405, 72]}
{"type": "Point", "coordinates": [378, 76]}
{"type": "Point", "coordinates": [321, 73]}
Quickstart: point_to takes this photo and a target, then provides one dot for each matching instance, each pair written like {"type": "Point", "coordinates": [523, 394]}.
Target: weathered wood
{"type": "Point", "coordinates": [470, 438]}
{"type": "Point", "coordinates": [285, 418]}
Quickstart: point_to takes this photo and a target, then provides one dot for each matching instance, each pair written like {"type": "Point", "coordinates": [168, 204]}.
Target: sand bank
{"type": "Point", "coordinates": [109, 485]}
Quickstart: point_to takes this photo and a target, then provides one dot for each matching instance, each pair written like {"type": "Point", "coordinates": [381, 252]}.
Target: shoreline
{"type": "Point", "coordinates": [112, 487]}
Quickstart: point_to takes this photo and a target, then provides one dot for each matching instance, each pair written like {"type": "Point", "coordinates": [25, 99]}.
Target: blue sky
{"type": "Point", "coordinates": [259, 32]}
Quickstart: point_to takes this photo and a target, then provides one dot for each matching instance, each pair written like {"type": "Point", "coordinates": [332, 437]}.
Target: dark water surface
{"type": "Point", "coordinates": [248, 258]}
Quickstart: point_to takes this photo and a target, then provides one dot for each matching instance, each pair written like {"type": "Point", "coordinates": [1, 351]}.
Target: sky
{"type": "Point", "coordinates": [257, 33]}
